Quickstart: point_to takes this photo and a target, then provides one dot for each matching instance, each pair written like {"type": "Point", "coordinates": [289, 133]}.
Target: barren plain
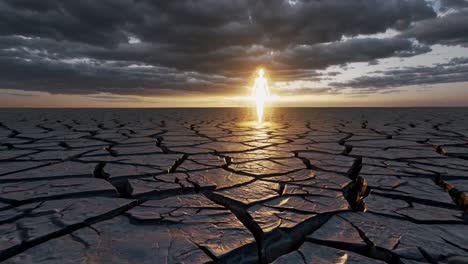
{"type": "Point", "coordinates": [310, 185]}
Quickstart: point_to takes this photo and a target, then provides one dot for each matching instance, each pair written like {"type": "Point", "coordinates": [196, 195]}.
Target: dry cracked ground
{"type": "Point", "coordinates": [205, 185]}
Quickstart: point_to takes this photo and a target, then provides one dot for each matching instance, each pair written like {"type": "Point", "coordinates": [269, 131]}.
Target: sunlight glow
{"type": "Point", "coordinates": [342, 259]}
{"type": "Point", "coordinates": [260, 93]}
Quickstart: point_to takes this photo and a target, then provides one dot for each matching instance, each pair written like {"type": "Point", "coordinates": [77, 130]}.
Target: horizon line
{"type": "Point", "coordinates": [228, 107]}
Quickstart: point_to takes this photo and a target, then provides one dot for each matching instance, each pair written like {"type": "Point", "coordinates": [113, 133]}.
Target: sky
{"type": "Point", "coordinates": [205, 53]}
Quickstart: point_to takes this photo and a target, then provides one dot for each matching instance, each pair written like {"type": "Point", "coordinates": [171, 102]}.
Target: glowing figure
{"type": "Point", "coordinates": [260, 93]}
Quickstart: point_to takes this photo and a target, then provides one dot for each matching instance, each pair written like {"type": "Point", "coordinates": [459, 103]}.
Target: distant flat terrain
{"type": "Point", "coordinates": [311, 185]}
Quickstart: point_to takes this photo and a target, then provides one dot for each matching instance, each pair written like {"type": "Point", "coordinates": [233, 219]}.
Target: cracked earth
{"type": "Point", "coordinates": [206, 185]}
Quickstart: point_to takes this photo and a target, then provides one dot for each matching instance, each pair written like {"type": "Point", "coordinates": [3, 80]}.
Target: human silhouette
{"type": "Point", "coordinates": [260, 93]}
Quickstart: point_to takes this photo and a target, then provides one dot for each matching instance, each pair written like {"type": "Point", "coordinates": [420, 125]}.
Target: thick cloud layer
{"type": "Point", "coordinates": [451, 29]}
{"type": "Point", "coordinates": [144, 47]}
{"type": "Point", "coordinates": [456, 70]}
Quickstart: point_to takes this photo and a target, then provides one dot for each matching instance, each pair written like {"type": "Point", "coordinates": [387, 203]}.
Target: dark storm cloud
{"type": "Point", "coordinates": [85, 75]}
{"type": "Point", "coordinates": [202, 46]}
{"type": "Point", "coordinates": [96, 22]}
{"type": "Point", "coordinates": [451, 29]}
{"type": "Point", "coordinates": [352, 50]}
{"type": "Point", "coordinates": [447, 5]}
{"type": "Point", "coordinates": [456, 70]}
{"type": "Point", "coordinates": [207, 24]}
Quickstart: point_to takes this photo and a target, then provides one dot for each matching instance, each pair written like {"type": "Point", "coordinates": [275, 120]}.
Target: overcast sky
{"type": "Point", "coordinates": [204, 53]}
